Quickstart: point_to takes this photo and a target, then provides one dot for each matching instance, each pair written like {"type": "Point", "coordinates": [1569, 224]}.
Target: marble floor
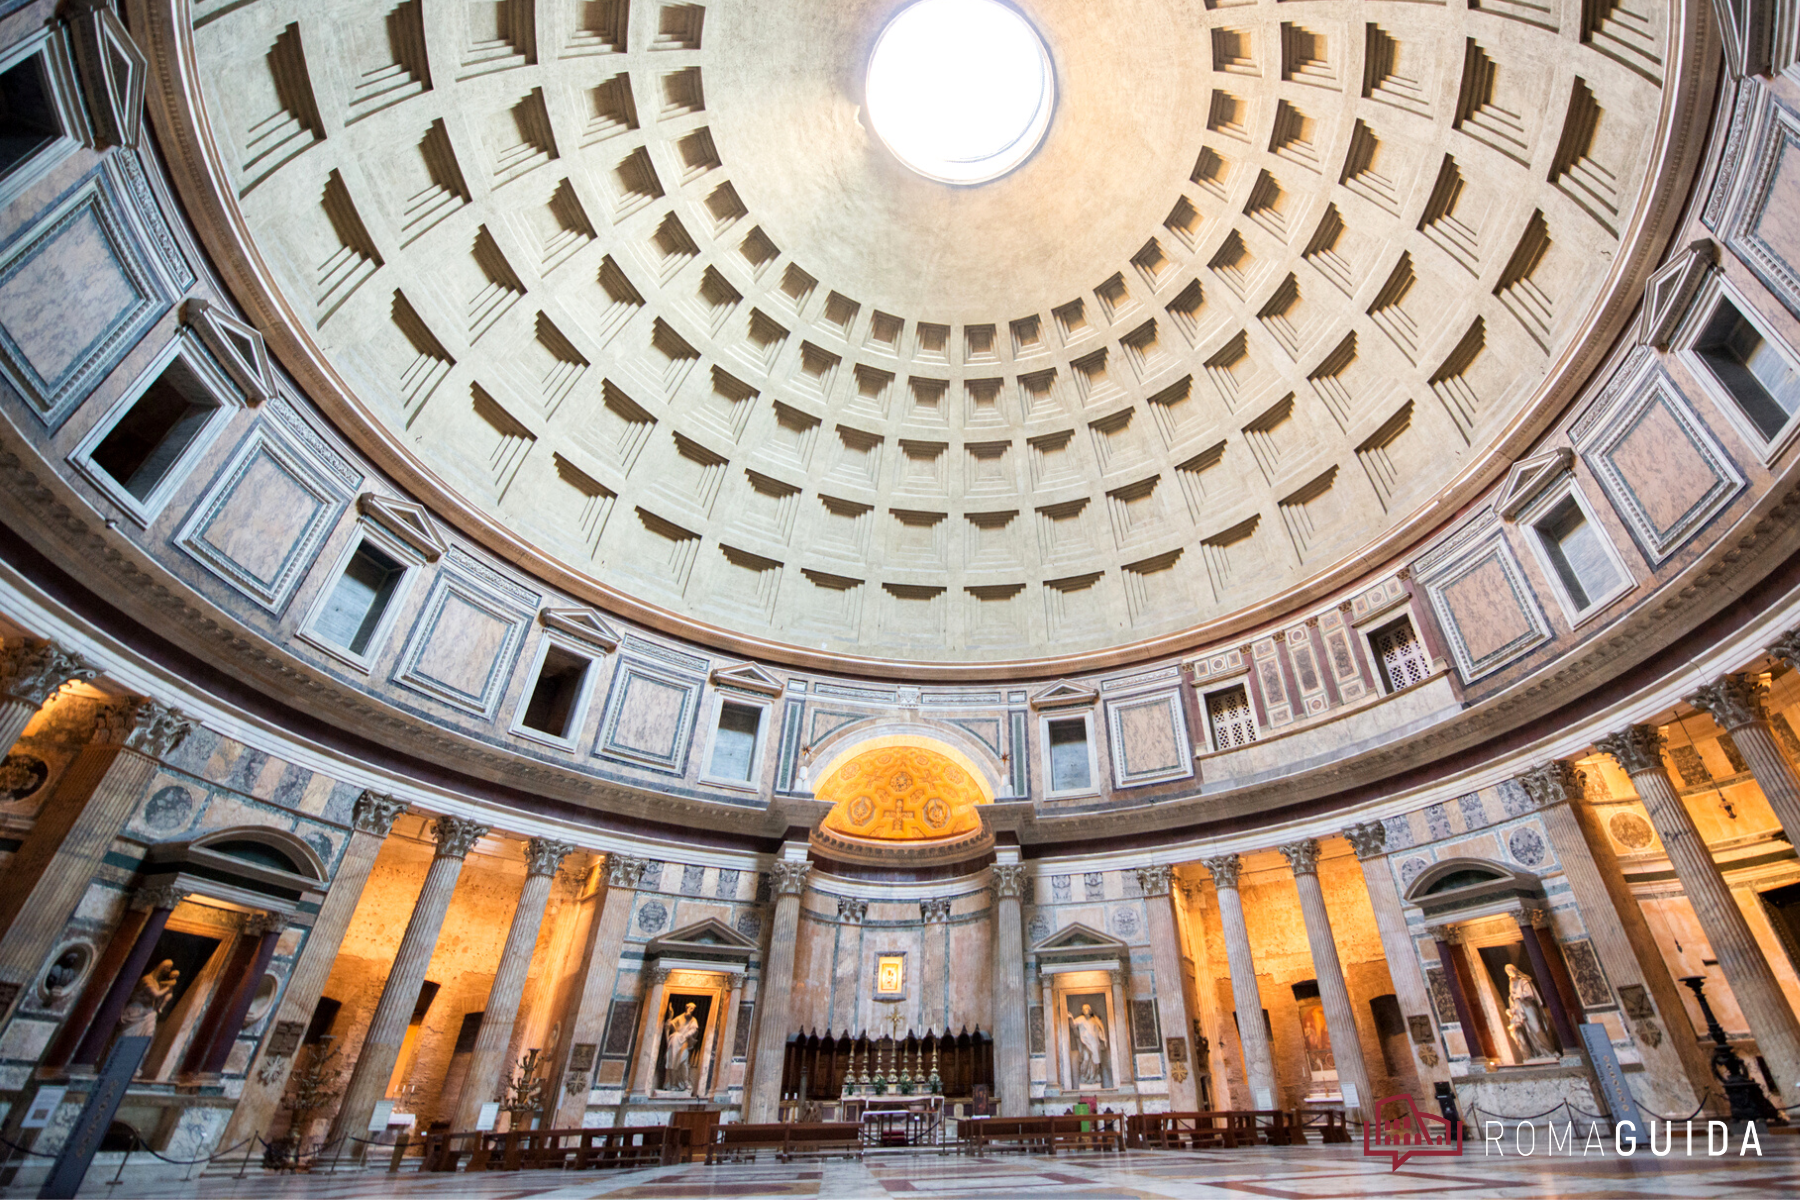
{"type": "Point", "coordinates": [1300, 1173]}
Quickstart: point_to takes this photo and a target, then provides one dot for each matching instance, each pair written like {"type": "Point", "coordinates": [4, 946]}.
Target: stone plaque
{"type": "Point", "coordinates": [1441, 1002]}
{"type": "Point", "coordinates": [1636, 1002]}
{"type": "Point", "coordinates": [1420, 1028]}
{"type": "Point", "coordinates": [740, 1042]}
{"type": "Point", "coordinates": [1584, 969]}
{"type": "Point", "coordinates": [581, 1058]}
{"type": "Point", "coordinates": [1144, 1033]}
{"type": "Point", "coordinates": [285, 1039]}
{"type": "Point", "coordinates": [619, 1028]}
{"type": "Point", "coordinates": [1037, 1029]}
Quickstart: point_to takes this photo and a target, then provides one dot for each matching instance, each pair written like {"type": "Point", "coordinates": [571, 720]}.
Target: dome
{"type": "Point", "coordinates": [639, 297]}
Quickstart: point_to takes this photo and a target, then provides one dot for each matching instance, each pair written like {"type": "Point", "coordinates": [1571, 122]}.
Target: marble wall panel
{"type": "Point", "coordinates": [1148, 740]}
{"type": "Point", "coordinates": [649, 717]}
{"type": "Point", "coordinates": [463, 647]}
{"type": "Point", "coordinates": [1485, 608]}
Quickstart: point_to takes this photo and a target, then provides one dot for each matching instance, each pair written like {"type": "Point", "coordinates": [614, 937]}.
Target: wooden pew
{"type": "Point", "coordinates": [1087, 1131]}
{"type": "Point", "coordinates": [1225, 1129]}
{"type": "Point", "coordinates": [786, 1139]}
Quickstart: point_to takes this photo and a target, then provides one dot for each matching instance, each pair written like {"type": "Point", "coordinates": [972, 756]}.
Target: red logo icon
{"type": "Point", "coordinates": [1409, 1133]}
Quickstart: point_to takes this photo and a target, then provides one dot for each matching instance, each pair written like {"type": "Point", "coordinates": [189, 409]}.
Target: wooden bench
{"type": "Point", "coordinates": [1226, 1129]}
{"type": "Point", "coordinates": [624, 1147]}
{"type": "Point", "coordinates": [1087, 1131]}
{"type": "Point", "coordinates": [786, 1139]}
{"type": "Point", "coordinates": [1333, 1130]}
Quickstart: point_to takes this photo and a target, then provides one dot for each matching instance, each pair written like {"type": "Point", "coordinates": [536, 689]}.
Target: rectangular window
{"type": "Point", "coordinates": [1402, 657]}
{"type": "Point", "coordinates": [359, 599]}
{"type": "Point", "coordinates": [734, 742]}
{"type": "Point", "coordinates": [144, 444]}
{"type": "Point", "coordinates": [554, 697]}
{"type": "Point", "coordinates": [28, 120]}
{"type": "Point", "coordinates": [1575, 550]}
{"type": "Point", "coordinates": [1748, 366]}
{"type": "Point", "coordinates": [1229, 714]}
{"type": "Point", "coordinates": [1069, 769]}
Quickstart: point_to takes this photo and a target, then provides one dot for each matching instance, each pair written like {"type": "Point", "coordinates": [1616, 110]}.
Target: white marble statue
{"type": "Point", "coordinates": [1090, 1045]}
{"type": "Point", "coordinates": [148, 1000]}
{"type": "Point", "coordinates": [1525, 1016]}
{"type": "Point", "coordinates": [680, 1034]}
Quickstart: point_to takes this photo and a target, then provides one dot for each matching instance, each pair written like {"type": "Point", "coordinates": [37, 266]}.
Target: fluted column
{"type": "Point", "coordinates": [586, 1024]}
{"type": "Point", "coordinates": [75, 828]}
{"type": "Point", "coordinates": [488, 1062]}
{"type": "Point", "coordinates": [1052, 1074]}
{"type": "Point", "coordinates": [1673, 1057]}
{"type": "Point", "coordinates": [1012, 1053]}
{"type": "Point", "coordinates": [727, 1041]}
{"type": "Point", "coordinates": [774, 993]}
{"type": "Point", "coordinates": [1122, 1036]}
{"type": "Point", "coordinates": [32, 671]}
{"type": "Point", "coordinates": [1369, 840]}
{"type": "Point", "coordinates": [1171, 989]}
{"type": "Point", "coordinates": [1735, 702]}
{"type": "Point", "coordinates": [1259, 1063]}
{"type": "Point", "coordinates": [381, 1044]}
{"type": "Point", "coordinates": [1638, 749]}
{"type": "Point", "coordinates": [643, 1076]}
{"type": "Point", "coordinates": [97, 1029]}
{"type": "Point", "coordinates": [1328, 972]}
{"type": "Point", "coordinates": [372, 817]}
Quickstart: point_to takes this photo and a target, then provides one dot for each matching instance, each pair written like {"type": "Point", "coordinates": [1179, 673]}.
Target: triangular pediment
{"type": "Point", "coordinates": [237, 346]}
{"type": "Point", "coordinates": [1063, 694]}
{"type": "Point", "coordinates": [406, 521]}
{"type": "Point", "coordinates": [749, 677]}
{"type": "Point", "coordinates": [1530, 476]}
{"type": "Point", "coordinates": [703, 939]}
{"type": "Point", "coordinates": [583, 624]}
{"type": "Point", "coordinates": [1079, 937]}
{"type": "Point", "coordinates": [1671, 290]}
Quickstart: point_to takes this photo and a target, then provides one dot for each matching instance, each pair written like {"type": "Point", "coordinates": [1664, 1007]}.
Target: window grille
{"type": "Point", "coordinates": [1233, 722]}
{"type": "Point", "coordinates": [1403, 660]}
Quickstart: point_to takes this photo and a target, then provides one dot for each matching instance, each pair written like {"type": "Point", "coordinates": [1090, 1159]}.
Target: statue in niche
{"type": "Point", "coordinates": [148, 1000]}
{"type": "Point", "coordinates": [1090, 1044]}
{"type": "Point", "coordinates": [680, 1034]}
{"type": "Point", "coordinates": [1525, 1016]}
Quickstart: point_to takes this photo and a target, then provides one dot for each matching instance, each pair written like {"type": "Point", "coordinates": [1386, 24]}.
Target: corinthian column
{"type": "Point", "coordinates": [381, 1045]}
{"type": "Point", "coordinates": [1171, 990]}
{"type": "Point", "coordinates": [1736, 703]}
{"type": "Point", "coordinates": [1328, 972]}
{"type": "Point", "coordinates": [1369, 840]}
{"type": "Point", "coordinates": [266, 1079]}
{"type": "Point", "coordinates": [1259, 1064]}
{"type": "Point", "coordinates": [1674, 1061]}
{"type": "Point", "coordinates": [774, 992]}
{"type": "Point", "coordinates": [1638, 749]}
{"type": "Point", "coordinates": [75, 828]}
{"type": "Point", "coordinates": [31, 672]}
{"type": "Point", "coordinates": [600, 972]}
{"type": "Point", "coordinates": [1012, 1054]}
{"type": "Point", "coordinates": [488, 1060]}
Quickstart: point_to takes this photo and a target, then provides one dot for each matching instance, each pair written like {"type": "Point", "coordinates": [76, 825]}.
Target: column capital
{"type": "Point", "coordinates": [657, 976]}
{"type": "Point", "coordinates": [1551, 783]}
{"type": "Point", "coordinates": [544, 855]}
{"type": "Point", "coordinates": [155, 896]}
{"type": "Point", "coordinates": [1787, 647]}
{"type": "Point", "coordinates": [790, 877]}
{"type": "Point", "coordinates": [1009, 880]}
{"type": "Point", "coordinates": [735, 982]}
{"type": "Point", "coordinates": [1534, 918]}
{"type": "Point", "coordinates": [1637, 748]}
{"type": "Point", "coordinates": [1302, 856]}
{"type": "Point", "coordinates": [375, 813]}
{"type": "Point", "coordinates": [31, 669]}
{"type": "Point", "coordinates": [1154, 880]}
{"type": "Point", "coordinates": [456, 836]}
{"type": "Point", "coordinates": [1224, 869]}
{"type": "Point", "coordinates": [153, 730]}
{"type": "Point", "coordinates": [1368, 839]}
{"type": "Point", "coordinates": [624, 871]}
{"type": "Point", "coordinates": [258, 923]}
{"type": "Point", "coordinates": [852, 910]}
{"type": "Point", "coordinates": [1117, 977]}
{"type": "Point", "coordinates": [937, 909]}
{"type": "Point", "coordinates": [1450, 935]}
{"type": "Point", "coordinates": [1734, 701]}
